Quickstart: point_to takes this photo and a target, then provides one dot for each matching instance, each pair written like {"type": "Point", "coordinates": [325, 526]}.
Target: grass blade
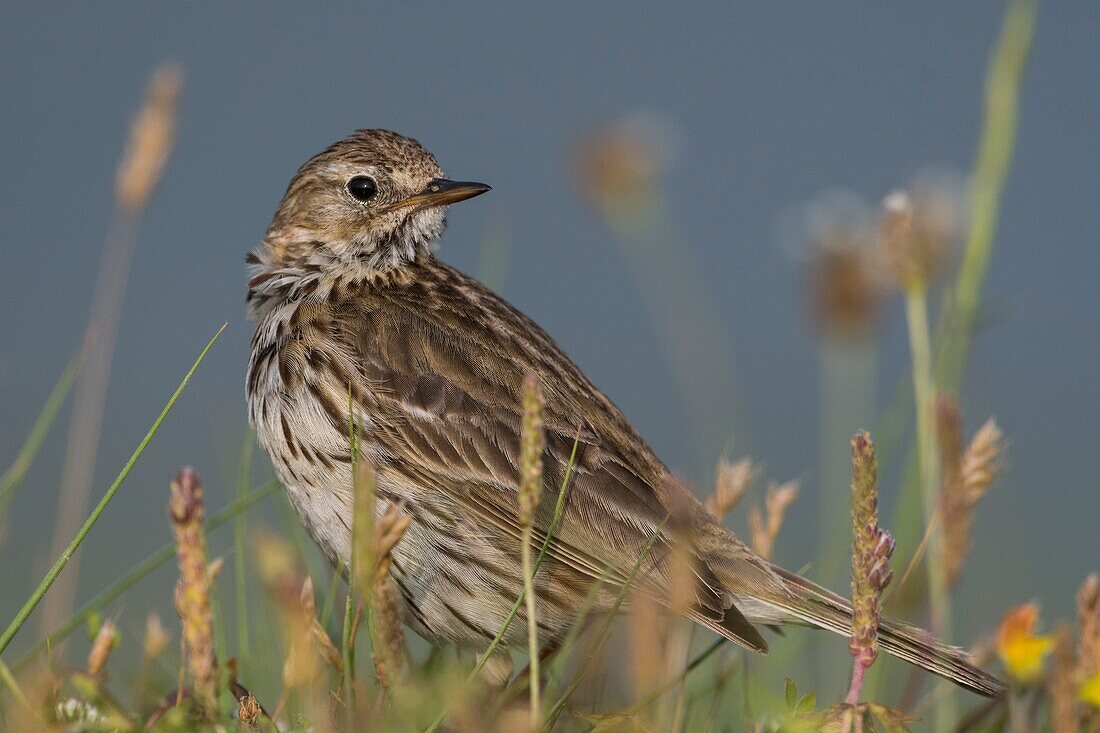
{"type": "Point", "coordinates": [18, 469]}
{"type": "Point", "coordinates": [51, 576]}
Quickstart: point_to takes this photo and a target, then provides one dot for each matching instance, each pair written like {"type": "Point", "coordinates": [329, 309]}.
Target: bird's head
{"type": "Point", "coordinates": [371, 202]}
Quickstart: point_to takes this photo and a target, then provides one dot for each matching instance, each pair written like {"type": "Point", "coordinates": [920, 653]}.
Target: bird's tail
{"type": "Point", "coordinates": [810, 604]}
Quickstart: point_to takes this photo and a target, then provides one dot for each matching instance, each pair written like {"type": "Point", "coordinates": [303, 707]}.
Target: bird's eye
{"type": "Point", "coordinates": [362, 188]}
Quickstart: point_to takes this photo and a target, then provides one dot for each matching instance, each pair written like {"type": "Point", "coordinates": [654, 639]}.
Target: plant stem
{"type": "Point", "coordinates": [998, 142]}
{"type": "Point", "coordinates": [51, 576]}
{"type": "Point", "coordinates": [924, 395]}
{"type": "Point", "coordinates": [18, 469]}
{"type": "Point", "coordinates": [244, 470]}
{"type": "Point", "coordinates": [532, 625]}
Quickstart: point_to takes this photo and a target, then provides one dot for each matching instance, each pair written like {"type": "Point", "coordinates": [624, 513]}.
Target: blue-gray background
{"type": "Point", "coordinates": [772, 105]}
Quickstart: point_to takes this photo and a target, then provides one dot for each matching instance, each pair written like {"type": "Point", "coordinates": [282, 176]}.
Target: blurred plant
{"type": "Point", "coordinates": [871, 549]}
{"type": "Point", "coordinates": [1022, 651]}
{"type": "Point", "coordinates": [967, 476]}
{"type": "Point", "coordinates": [833, 237]}
{"type": "Point", "coordinates": [185, 508]}
{"type": "Point", "coordinates": [620, 166]}
{"type": "Point", "coordinates": [1088, 648]}
{"type": "Point", "coordinates": [1061, 686]}
{"type": "Point", "coordinates": [284, 580]}
{"type": "Point", "coordinates": [731, 481]}
{"type": "Point", "coordinates": [13, 476]}
{"type": "Point", "coordinates": [106, 640]}
{"type": "Point", "coordinates": [387, 628]}
{"type": "Point", "coordinates": [151, 139]}
{"type": "Point", "coordinates": [846, 284]}
{"type": "Point", "coordinates": [764, 525]}
{"type": "Point", "coordinates": [532, 445]}
{"type": "Point", "coordinates": [915, 234]}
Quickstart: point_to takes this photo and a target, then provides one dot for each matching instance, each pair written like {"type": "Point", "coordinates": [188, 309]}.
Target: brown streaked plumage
{"type": "Point", "coordinates": [351, 300]}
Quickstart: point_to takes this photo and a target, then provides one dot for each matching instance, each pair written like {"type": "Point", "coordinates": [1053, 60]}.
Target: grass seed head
{"type": "Point", "coordinates": [151, 139]}
{"type": "Point", "coordinates": [732, 480]}
{"type": "Point", "coordinates": [532, 445]}
{"type": "Point", "coordinates": [871, 550]}
{"type": "Point", "coordinates": [185, 507]}
{"type": "Point", "coordinates": [764, 525]}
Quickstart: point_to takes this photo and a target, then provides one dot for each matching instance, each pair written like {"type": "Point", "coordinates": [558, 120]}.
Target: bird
{"type": "Point", "coordinates": [357, 318]}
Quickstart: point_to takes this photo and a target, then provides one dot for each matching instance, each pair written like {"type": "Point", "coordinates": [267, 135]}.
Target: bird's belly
{"type": "Point", "coordinates": [458, 575]}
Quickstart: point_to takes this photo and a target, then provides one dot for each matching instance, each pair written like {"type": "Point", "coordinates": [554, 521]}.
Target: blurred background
{"type": "Point", "coordinates": [738, 134]}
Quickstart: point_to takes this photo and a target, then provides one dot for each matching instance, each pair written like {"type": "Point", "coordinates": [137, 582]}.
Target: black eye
{"type": "Point", "coordinates": [362, 188]}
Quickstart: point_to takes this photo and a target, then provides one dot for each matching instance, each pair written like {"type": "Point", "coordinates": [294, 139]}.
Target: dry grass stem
{"type": "Point", "coordinates": [955, 506]}
{"type": "Point", "coordinates": [647, 652]}
{"type": "Point", "coordinates": [1088, 627]}
{"type": "Point", "coordinates": [1062, 685]}
{"type": "Point", "coordinates": [185, 508]}
{"type": "Point", "coordinates": [362, 535]}
{"type": "Point", "coordinates": [764, 525]}
{"type": "Point", "coordinates": [532, 445]}
{"type": "Point", "coordinates": [732, 480]}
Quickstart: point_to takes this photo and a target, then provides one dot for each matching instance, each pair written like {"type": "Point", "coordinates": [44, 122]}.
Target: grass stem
{"type": "Point", "coordinates": [22, 463]}
{"type": "Point", "coordinates": [924, 395]}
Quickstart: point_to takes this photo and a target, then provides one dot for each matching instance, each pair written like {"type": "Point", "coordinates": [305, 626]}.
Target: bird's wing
{"type": "Point", "coordinates": [448, 360]}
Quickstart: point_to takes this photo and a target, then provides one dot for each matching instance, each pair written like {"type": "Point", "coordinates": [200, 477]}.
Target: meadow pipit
{"type": "Point", "coordinates": [353, 307]}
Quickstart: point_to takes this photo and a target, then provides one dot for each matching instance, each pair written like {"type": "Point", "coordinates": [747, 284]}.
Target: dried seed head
{"type": "Point", "coordinates": [325, 645]}
{"type": "Point", "coordinates": [967, 475]}
{"type": "Point", "coordinates": [764, 526]}
{"type": "Point", "coordinates": [106, 639]}
{"type": "Point", "coordinates": [532, 445]}
{"type": "Point", "coordinates": [917, 231]}
{"type": "Point", "coordinates": [845, 283]}
{"type": "Point", "coordinates": [387, 632]}
{"type": "Point", "coordinates": [619, 165]}
{"type": "Point", "coordinates": [983, 460]}
{"type": "Point", "coordinates": [389, 531]}
{"type": "Point", "coordinates": [871, 550]}
{"type": "Point", "coordinates": [731, 482]}
{"type": "Point", "coordinates": [151, 139]}
{"type": "Point", "coordinates": [156, 638]}
{"type": "Point", "coordinates": [1088, 627]}
{"type": "Point", "coordinates": [193, 590]}
{"type": "Point", "coordinates": [249, 712]}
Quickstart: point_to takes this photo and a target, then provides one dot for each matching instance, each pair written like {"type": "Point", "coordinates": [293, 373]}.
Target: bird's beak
{"type": "Point", "coordinates": [442, 192]}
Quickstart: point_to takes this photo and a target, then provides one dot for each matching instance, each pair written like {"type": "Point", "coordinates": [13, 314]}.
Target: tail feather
{"type": "Point", "coordinates": [811, 604]}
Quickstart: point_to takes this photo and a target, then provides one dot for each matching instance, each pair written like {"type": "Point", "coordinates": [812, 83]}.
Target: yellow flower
{"type": "Point", "coordinates": [1023, 651]}
{"type": "Point", "coordinates": [1089, 692]}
